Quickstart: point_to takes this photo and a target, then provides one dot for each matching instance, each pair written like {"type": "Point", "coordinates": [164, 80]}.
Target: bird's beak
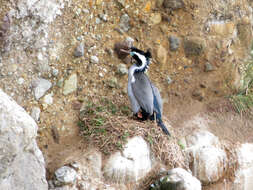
{"type": "Point", "coordinates": [125, 51]}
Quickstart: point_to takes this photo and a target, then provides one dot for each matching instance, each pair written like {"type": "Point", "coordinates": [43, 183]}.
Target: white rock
{"type": "Point", "coordinates": [21, 81]}
{"type": "Point", "coordinates": [209, 159]}
{"type": "Point", "coordinates": [244, 174]}
{"type": "Point", "coordinates": [22, 164]}
{"type": "Point", "coordinates": [35, 113]}
{"type": "Point", "coordinates": [48, 99]}
{"type": "Point", "coordinates": [70, 84]}
{"type": "Point", "coordinates": [209, 164]}
{"type": "Point", "coordinates": [94, 59]}
{"type": "Point", "coordinates": [122, 69]}
{"type": "Point", "coordinates": [202, 138]}
{"type": "Point", "coordinates": [40, 87]}
{"type": "Point", "coordinates": [65, 175]}
{"type": "Point", "coordinates": [133, 164]}
{"type": "Point", "coordinates": [183, 178]}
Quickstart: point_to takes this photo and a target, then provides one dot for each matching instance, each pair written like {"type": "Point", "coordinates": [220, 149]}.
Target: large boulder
{"type": "Point", "coordinates": [209, 160]}
{"type": "Point", "coordinates": [244, 174]}
{"type": "Point", "coordinates": [132, 164]}
{"type": "Point", "coordinates": [177, 179]}
{"type": "Point", "coordinates": [21, 162]}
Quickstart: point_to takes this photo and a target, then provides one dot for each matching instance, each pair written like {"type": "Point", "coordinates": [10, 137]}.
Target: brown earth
{"type": "Point", "coordinates": [59, 136]}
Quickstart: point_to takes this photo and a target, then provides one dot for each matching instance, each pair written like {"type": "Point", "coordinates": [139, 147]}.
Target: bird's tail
{"type": "Point", "coordinates": [161, 124]}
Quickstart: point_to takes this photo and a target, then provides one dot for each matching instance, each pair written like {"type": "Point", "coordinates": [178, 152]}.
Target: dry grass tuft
{"type": "Point", "coordinates": [107, 125]}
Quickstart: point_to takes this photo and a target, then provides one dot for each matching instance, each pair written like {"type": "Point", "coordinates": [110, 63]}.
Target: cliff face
{"type": "Point", "coordinates": [57, 56]}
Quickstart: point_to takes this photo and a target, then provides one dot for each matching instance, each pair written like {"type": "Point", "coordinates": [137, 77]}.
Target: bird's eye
{"type": "Point", "coordinates": [132, 53]}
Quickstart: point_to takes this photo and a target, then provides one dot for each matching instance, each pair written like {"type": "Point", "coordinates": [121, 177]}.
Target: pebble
{"type": "Point", "coordinates": [124, 22]}
{"type": "Point", "coordinates": [35, 113]}
{"type": "Point", "coordinates": [70, 85]}
{"type": "Point", "coordinates": [48, 99]}
{"type": "Point", "coordinates": [65, 175]}
{"type": "Point", "coordinates": [208, 67]}
{"type": "Point", "coordinates": [174, 43]}
{"type": "Point", "coordinates": [40, 56]}
{"type": "Point", "coordinates": [103, 17]}
{"type": "Point", "coordinates": [21, 81]}
{"type": "Point", "coordinates": [55, 72]}
{"type": "Point", "coordinates": [169, 80]}
{"type": "Point", "coordinates": [97, 20]}
{"type": "Point", "coordinates": [193, 47]}
{"type": "Point", "coordinates": [129, 41]}
{"type": "Point", "coordinates": [155, 18]}
{"type": "Point", "coordinates": [161, 55]}
{"type": "Point", "coordinates": [40, 87]}
{"type": "Point", "coordinates": [173, 4]}
{"type": "Point", "coordinates": [94, 59]}
{"type": "Point", "coordinates": [122, 69]}
{"type": "Point", "coordinates": [79, 50]}
{"type": "Point", "coordinates": [86, 11]}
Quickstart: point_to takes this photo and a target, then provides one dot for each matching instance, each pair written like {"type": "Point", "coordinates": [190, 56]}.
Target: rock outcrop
{"type": "Point", "coordinates": [21, 162]}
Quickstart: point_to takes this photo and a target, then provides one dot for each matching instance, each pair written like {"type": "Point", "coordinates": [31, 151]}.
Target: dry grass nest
{"type": "Point", "coordinates": [107, 124]}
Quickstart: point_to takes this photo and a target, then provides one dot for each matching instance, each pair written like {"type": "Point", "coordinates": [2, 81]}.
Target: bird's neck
{"type": "Point", "coordinates": [134, 69]}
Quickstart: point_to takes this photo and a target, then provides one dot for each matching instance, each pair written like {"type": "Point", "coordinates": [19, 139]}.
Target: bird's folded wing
{"type": "Point", "coordinates": [143, 92]}
{"type": "Point", "coordinates": [158, 98]}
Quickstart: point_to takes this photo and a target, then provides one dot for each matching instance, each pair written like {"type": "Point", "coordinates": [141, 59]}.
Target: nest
{"type": "Point", "coordinates": [107, 125]}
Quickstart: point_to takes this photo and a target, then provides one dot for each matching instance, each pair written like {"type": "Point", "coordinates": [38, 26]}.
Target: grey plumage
{"type": "Point", "coordinates": [143, 95]}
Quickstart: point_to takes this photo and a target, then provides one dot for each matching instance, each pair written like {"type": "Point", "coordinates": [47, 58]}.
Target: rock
{"type": "Point", "coordinates": [122, 69]}
{"type": "Point", "coordinates": [132, 164]}
{"type": "Point", "coordinates": [79, 50]}
{"type": "Point", "coordinates": [113, 83]}
{"type": "Point", "coordinates": [169, 80]}
{"type": "Point", "coordinates": [159, 3]}
{"type": "Point", "coordinates": [55, 72]}
{"type": "Point", "coordinates": [244, 172]}
{"type": "Point", "coordinates": [178, 179]}
{"type": "Point", "coordinates": [198, 94]}
{"type": "Point", "coordinates": [45, 10]}
{"type": "Point", "coordinates": [40, 87]}
{"type": "Point", "coordinates": [174, 43]}
{"type": "Point", "coordinates": [94, 59]}
{"type": "Point", "coordinates": [70, 85]}
{"type": "Point", "coordinates": [125, 45]}
{"type": "Point", "coordinates": [209, 164]}
{"type": "Point", "coordinates": [103, 17]}
{"type": "Point", "coordinates": [208, 67]}
{"type": "Point", "coordinates": [173, 4]}
{"type": "Point", "coordinates": [97, 20]}
{"type": "Point", "coordinates": [221, 28]}
{"type": "Point", "coordinates": [124, 22]}
{"type": "Point", "coordinates": [21, 81]}
{"type": "Point", "coordinates": [22, 164]}
{"type": "Point", "coordinates": [161, 55]}
{"type": "Point", "coordinates": [244, 33]}
{"type": "Point", "coordinates": [48, 99]}
{"type": "Point", "coordinates": [193, 46]}
{"type": "Point", "coordinates": [35, 113]}
{"type": "Point", "coordinates": [65, 175]}
{"type": "Point", "coordinates": [208, 158]}
{"type": "Point", "coordinates": [155, 18]}
{"type": "Point", "coordinates": [95, 162]}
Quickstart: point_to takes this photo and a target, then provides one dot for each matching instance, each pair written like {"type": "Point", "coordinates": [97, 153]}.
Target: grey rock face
{"type": "Point", "coordinates": [21, 161]}
{"type": "Point", "coordinates": [174, 43]}
{"type": "Point", "coordinates": [124, 22]}
{"type": "Point", "coordinates": [65, 175]}
{"type": "Point", "coordinates": [79, 51]}
{"type": "Point", "coordinates": [40, 87]}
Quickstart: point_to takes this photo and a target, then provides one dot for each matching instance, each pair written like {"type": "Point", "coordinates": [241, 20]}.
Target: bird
{"type": "Point", "coordinates": [144, 96]}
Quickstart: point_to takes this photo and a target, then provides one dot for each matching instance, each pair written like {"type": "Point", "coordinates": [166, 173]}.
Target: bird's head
{"type": "Point", "coordinates": [142, 58]}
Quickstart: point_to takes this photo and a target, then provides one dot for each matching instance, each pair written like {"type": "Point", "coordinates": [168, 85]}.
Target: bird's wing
{"type": "Point", "coordinates": [142, 91]}
{"type": "Point", "coordinates": [158, 98]}
{"type": "Point", "coordinates": [134, 103]}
